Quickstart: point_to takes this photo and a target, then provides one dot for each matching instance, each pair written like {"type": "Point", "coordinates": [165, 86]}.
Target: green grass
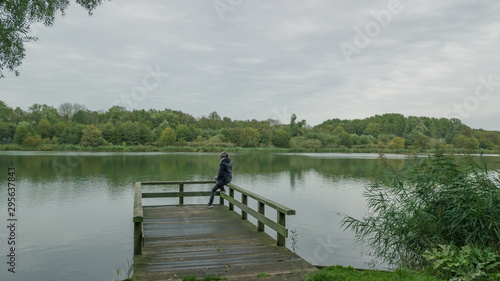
{"type": "Point", "coordinates": [205, 278]}
{"type": "Point", "coordinates": [340, 273]}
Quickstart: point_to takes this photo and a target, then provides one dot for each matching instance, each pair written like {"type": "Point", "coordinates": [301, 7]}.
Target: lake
{"type": "Point", "coordinates": [74, 210]}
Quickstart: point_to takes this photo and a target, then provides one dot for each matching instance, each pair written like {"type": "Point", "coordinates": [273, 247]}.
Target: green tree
{"type": "Point", "coordinates": [186, 133]}
{"type": "Point", "coordinates": [91, 136]}
{"type": "Point", "coordinates": [167, 137]}
{"type": "Point", "coordinates": [372, 129]}
{"type": "Point", "coordinates": [397, 143]}
{"type": "Point", "coordinates": [19, 115]}
{"type": "Point", "coordinates": [17, 16]}
{"type": "Point", "coordinates": [44, 129]}
{"type": "Point", "coordinates": [338, 130]}
{"type": "Point", "coordinates": [281, 139]}
{"type": "Point", "coordinates": [22, 131]}
{"type": "Point", "coordinates": [295, 128]}
{"type": "Point", "coordinates": [415, 126]}
{"type": "Point", "coordinates": [7, 132]}
{"type": "Point", "coordinates": [110, 133]}
{"type": "Point", "coordinates": [32, 141]}
{"type": "Point", "coordinates": [419, 140]}
{"type": "Point", "coordinates": [251, 137]}
{"type": "Point", "coordinates": [74, 134]}
{"type": "Point", "coordinates": [366, 139]}
{"type": "Point", "coordinates": [82, 117]}
{"type": "Point", "coordinates": [345, 139]}
{"type": "Point", "coordinates": [61, 130]}
{"type": "Point", "coordinates": [236, 136]}
{"type": "Point", "coordinates": [5, 112]}
{"type": "Point", "coordinates": [146, 135]}
{"type": "Point", "coordinates": [130, 132]}
{"type": "Point", "coordinates": [461, 141]}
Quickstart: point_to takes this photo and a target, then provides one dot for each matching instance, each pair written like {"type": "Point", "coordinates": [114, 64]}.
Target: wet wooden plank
{"type": "Point", "coordinates": [185, 240]}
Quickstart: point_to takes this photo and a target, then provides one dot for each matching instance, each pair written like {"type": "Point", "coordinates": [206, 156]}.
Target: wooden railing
{"type": "Point", "coordinates": [279, 226]}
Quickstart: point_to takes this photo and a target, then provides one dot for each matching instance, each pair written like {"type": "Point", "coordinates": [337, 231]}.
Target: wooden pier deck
{"type": "Point", "coordinates": [186, 240]}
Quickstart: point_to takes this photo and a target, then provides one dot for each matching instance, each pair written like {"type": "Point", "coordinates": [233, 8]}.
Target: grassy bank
{"type": "Point", "coordinates": [338, 272]}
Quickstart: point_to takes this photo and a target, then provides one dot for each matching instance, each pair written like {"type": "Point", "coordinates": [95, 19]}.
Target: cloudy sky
{"type": "Point", "coordinates": [319, 59]}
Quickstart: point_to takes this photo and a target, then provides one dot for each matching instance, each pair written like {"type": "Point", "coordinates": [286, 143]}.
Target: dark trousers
{"type": "Point", "coordinates": [218, 185]}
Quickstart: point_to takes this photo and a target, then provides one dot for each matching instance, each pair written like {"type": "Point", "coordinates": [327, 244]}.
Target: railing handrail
{"type": "Point", "coordinates": [268, 202]}
{"type": "Point", "coordinates": [175, 182]}
{"type": "Point", "coordinates": [277, 206]}
{"type": "Point", "coordinates": [279, 226]}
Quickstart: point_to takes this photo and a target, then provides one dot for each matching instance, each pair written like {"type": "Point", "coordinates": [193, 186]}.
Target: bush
{"type": "Point", "coordinates": [441, 199]}
{"type": "Point", "coordinates": [466, 263]}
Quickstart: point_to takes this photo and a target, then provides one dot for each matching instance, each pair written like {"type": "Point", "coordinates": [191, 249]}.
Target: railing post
{"type": "Point", "coordinates": [281, 221]}
{"type": "Point", "coordinates": [262, 211]}
{"type": "Point", "coordinates": [231, 194]}
{"type": "Point", "coordinates": [138, 219]}
{"type": "Point", "coordinates": [181, 198]}
{"type": "Point", "coordinates": [138, 238]}
{"type": "Point", "coordinates": [244, 200]}
{"type": "Point", "coordinates": [221, 200]}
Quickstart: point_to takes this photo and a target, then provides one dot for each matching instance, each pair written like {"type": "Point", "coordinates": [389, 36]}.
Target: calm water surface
{"type": "Point", "coordinates": [74, 210]}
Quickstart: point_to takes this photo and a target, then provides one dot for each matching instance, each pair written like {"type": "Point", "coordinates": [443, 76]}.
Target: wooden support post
{"type": "Point", "coordinates": [262, 211]}
{"type": "Point", "coordinates": [138, 238]}
{"type": "Point", "coordinates": [244, 200]}
{"type": "Point", "coordinates": [181, 198]}
{"type": "Point", "coordinates": [231, 194]}
{"type": "Point", "coordinates": [221, 200]}
{"type": "Point", "coordinates": [280, 239]}
{"type": "Point", "coordinates": [138, 219]}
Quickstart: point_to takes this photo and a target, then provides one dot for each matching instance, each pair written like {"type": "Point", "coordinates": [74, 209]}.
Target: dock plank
{"type": "Point", "coordinates": [193, 240]}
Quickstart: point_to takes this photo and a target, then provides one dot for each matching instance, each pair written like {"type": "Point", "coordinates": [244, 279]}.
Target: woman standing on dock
{"type": "Point", "coordinates": [224, 176]}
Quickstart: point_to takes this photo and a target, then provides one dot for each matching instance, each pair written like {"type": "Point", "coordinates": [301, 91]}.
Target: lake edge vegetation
{"type": "Point", "coordinates": [73, 127]}
{"type": "Point", "coordinates": [438, 214]}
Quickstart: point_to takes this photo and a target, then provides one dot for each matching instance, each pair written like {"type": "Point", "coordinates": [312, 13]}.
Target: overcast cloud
{"type": "Point", "coordinates": [268, 59]}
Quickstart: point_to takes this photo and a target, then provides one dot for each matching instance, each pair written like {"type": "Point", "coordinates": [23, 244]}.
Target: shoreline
{"type": "Point", "coordinates": [149, 148]}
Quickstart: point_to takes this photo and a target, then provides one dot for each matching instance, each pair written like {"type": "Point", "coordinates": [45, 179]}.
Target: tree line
{"type": "Point", "coordinates": [42, 126]}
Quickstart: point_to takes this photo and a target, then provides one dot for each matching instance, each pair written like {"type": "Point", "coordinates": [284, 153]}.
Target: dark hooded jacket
{"type": "Point", "coordinates": [225, 174]}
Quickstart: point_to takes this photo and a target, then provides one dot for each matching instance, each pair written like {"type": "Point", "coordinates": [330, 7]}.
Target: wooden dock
{"type": "Point", "coordinates": [172, 242]}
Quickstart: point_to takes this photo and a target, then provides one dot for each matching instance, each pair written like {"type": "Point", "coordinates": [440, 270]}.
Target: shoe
{"type": "Point", "coordinates": [222, 191]}
{"type": "Point", "coordinates": [210, 206]}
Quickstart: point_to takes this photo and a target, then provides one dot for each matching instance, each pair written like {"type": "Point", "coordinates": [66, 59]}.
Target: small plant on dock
{"type": "Point", "coordinates": [438, 200]}
{"type": "Point", "coordinates": [295, 240]}
{"type": "Point", "coordinates": [128, 274]}
{"type": "Point", "coordinates": [213, 278]}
